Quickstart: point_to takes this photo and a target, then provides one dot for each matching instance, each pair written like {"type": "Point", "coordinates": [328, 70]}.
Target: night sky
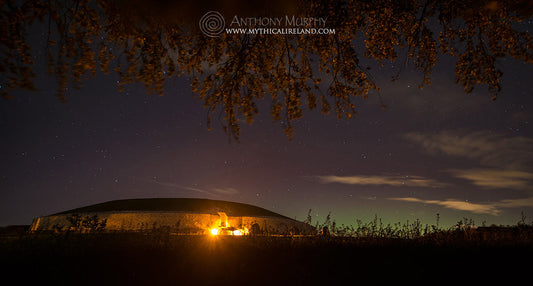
{"type": "Point", "coordinates": [436, 150]}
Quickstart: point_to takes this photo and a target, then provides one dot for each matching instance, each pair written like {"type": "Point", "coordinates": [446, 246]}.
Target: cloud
{"type": "Point", "coordinates": [493, 208]}
{"type": "Point", "coordinates": [516, 203]}
{"type": "Point", "coordinates": [194, 190]}
{"type": "Point", "coordinates": [489, 149]}
{"type": "Point", "coordinates": [226, 191]}
{"type": "Point", "coordinates": [456, 205]}
{"type": "Point", "coordinates": [508, 159]}
{"type": "Point", "coordinates": [388, 180]}
{"type": "Point", "coordinates": [213, 191]}
{"type": "Point", "coordinates": [496, 178]}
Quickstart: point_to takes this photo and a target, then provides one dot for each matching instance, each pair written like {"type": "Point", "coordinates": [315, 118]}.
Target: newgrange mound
{"type": "Point", "coordinates": [176, 215]}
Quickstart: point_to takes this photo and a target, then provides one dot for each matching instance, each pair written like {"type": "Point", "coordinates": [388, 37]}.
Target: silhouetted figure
{"type": "Point", "coordinates": [255, 229]}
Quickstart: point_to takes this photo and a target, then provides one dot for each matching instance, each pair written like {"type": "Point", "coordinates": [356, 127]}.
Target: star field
{"type": "Point", "coordinates": [433, 150]}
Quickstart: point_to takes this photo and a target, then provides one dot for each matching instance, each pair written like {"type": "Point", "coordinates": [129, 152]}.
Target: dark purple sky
{"type": "Point", "coordinates": [436, 150]}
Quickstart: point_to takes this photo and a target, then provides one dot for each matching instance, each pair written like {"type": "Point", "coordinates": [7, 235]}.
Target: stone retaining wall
{"type": "Point", "coordinates": [174, 222]}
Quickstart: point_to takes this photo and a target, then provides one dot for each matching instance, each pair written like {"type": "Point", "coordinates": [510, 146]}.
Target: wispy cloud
{"type": "Point", "coordinates": [226, 191]}
{"type": "Point", "coordinates": [496, 178]}
{"type": "Point", "coordinates": [210, 191]}
{"type": "Point", "coordinates": [493, 208]}
{"type": "Point", "coordinates": [516, 203]}
{"type": "Point", "coordinates": [455, 204]}
{"type": "Point", "coordinates": [387, 180]}
{"type": "Point", "coordinates": [489, 149]}
{"type": "Point", "coordinates": [507, 160]}
{"type": "Point", "coordinates": [198, 190]}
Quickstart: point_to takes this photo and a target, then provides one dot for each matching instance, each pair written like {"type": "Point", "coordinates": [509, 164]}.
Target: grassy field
{"type": "Point", "coordinates": [159, 258]}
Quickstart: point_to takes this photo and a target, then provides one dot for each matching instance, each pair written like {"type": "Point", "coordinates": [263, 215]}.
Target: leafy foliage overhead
{"type": "Point", "coordinates": [148, 42]}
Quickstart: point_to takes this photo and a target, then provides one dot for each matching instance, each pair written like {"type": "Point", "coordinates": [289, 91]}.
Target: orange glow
{"type": "Point", "coordinates": [222, 227]}
{"type": "Point", "coordinates": [228, 231]}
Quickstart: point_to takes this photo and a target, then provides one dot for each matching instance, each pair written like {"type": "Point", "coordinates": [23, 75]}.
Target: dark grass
{"type": "Point", "coordinates": [163, 259]}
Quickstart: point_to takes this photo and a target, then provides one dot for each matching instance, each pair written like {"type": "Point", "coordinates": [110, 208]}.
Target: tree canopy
{"type": "Point", "coordinates": [151, 42]}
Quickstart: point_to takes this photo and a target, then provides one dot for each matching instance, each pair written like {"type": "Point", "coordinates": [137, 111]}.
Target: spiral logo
{"type": "Point", "coordinates": [212, 24]}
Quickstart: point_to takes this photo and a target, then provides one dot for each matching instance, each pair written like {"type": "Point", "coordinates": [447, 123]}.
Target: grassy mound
{"type": "Point", "coordinates": [178, 205]}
